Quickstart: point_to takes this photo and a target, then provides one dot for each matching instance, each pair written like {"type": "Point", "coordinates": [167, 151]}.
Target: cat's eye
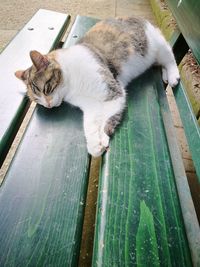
{"type": "Point", "coordinates": [36, 99]}
{"type": "Point", "coordinates": [47, 89]}
{"type": "Point", "coordinates": [35, 88]}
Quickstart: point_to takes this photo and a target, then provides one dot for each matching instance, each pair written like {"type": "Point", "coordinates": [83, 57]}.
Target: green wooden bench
{"type": "Point", "coordinates": [145, 215]}
{"type": "Point", "coordinates": [43, 195]}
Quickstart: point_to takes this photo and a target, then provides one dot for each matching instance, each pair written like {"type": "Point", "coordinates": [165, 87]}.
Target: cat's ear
{"type": "Point", "coordinates": [39, 61]}
{"type": "Point", "coordinates": [20, 74]}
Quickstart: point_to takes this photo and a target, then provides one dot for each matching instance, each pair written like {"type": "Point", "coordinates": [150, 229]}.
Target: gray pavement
{"type": "Point", "coordinates": [15, 13]}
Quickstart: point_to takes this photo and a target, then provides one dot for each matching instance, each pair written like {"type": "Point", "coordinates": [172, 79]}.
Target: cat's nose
{"type": "Point", "coordinates": [49, 105]}
{"type": "Point", "coordinates": [48, 101]}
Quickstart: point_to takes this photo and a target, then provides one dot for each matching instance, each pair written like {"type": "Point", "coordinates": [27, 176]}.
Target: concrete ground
{"type": "Point", "coordinates": [15, 13]}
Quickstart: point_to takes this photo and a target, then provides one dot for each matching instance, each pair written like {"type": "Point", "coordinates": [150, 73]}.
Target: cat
{"type": "Point", "coordinates": [94, 73]}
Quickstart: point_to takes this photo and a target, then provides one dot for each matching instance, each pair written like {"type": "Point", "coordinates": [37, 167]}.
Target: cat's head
{"type": "Point", "coordinates": [42, 80]}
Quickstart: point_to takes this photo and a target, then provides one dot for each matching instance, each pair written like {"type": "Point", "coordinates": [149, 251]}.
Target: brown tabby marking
{"type": "Point", "coordinates": [112, 123]}
{"type": "Point", "coordinates": [43, 77]}
{"type": "Point", "coordinates": [115, 40]}
{"type": "Point", "coordinates": [112, 42]}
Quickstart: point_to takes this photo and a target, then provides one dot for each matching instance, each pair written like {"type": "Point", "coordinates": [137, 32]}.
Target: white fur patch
{"type": "Point", "coordinates": [83, 86]}
{"type": "Point", "coordinates": [82, 81]}
{"type": "Point", "coordinates": [159, 52]}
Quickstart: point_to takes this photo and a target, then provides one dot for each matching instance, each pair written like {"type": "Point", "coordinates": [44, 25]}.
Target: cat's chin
{"type": "Point", "coordinates": [51, 106]}
{"type": "Point", "coordinates": [56, 105]}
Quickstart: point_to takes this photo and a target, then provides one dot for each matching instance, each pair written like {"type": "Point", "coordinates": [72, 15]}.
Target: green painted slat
{"type": "Point", "coordinates": [43, 196]}
{"type": "Point", "coordinates": [191, 127]}
{"type": "Point", "coordinates": [186, 202]}
{"type": "Point", "coordinates": [139, 220]}
{"type": "Point", "coordinates": [16, 56]}
{"type": "Point", "coordinates": [146, 232]}
{"type": "Point", "coordinates": [186, 13]}
{"type": "Point", "coordinates": [81, 25]}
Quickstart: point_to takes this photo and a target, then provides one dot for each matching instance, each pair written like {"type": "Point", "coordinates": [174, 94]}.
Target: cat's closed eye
{"type": "Point", "coordinates": [47, 89]}
{"type": "Point", "coordinates": [35, 99]}
{"type": "Point", "coordinates": [35, 88]}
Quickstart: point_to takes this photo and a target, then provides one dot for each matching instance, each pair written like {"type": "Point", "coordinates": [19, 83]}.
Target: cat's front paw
{"type": "Point", "coordinates": [97, 149]}
{"type": "Point", "coordinates": [171, 76]}
{"type": "Point", "coordinates": [174, 79]}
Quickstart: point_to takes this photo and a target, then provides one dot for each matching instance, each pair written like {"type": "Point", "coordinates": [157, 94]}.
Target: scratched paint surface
{"type": "Point", "coordinates": [139, 221]}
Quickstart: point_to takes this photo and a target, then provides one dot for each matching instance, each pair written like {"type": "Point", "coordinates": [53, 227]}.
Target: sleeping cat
{"type": "Point", "coordinates": [93, 73]}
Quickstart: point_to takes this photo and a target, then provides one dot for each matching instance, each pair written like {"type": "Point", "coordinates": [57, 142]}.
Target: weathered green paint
{"type": "Point", "coordinates": [42, 198]}
{"type": "Point", "coordinates": [43, 195]}
{"type": "Point", "coordinates": [16, 56]}
{"type": "Point", "coordinates": [146, 239]}
{"type": "Point", "coordinates": [138, 202]}
{"type": "Point", "coordinates": [186, 13]}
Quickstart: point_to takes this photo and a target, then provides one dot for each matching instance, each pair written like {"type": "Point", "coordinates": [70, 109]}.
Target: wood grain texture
{"type": "Point", "coordinates": [139, 220]}
{"type": "Point", "coordinates": [186, 13]}
{"type": "Point", "coordinates": [13, 104]}
{"type": "Point", "coordinates": [43, 195]}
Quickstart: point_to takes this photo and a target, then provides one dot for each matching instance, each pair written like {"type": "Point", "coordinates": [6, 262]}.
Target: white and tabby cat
{"type": "Point", "coordinates": [93, 73]}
